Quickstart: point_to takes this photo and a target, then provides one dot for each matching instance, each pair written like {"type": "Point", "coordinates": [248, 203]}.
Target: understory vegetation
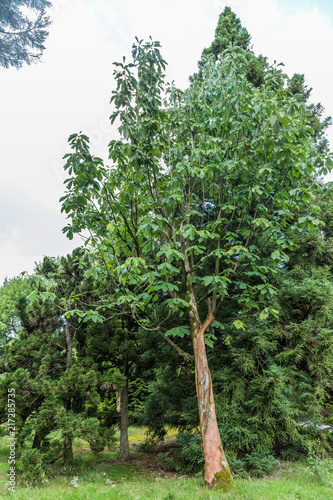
{"type": "Point", "coordinates": [148, 475]}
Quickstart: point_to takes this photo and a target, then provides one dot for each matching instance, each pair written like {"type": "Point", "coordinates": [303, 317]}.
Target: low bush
{"type": "Point", "coordinates": [34, 471]}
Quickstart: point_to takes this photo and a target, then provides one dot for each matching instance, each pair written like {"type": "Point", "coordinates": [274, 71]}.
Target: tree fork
{"type": "Point", "coordinates": [217, 471]}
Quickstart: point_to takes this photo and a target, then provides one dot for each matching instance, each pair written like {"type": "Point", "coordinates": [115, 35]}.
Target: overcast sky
{"type": "Point", "coordinates": [41, 105]}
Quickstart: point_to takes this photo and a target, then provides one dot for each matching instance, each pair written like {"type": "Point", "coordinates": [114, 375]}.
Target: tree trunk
{"type": "Point", "coordinates": [118, 396]}
{"type": "Point", "coordinates": [124, 446]}
{"type": "Point", "coordinates": [37, 442]}
{"type": "Point", "coordinates": [69, 346]}
{"type": "Point", "coordinates": [68, 453]}
{"type": "Point", "coordinates": [217, 472]}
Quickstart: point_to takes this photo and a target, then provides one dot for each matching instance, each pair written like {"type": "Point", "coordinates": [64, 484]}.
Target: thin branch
{"type": "Point", "coordinates": [187, 357]}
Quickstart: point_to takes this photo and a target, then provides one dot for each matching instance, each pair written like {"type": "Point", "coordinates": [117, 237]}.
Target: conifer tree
{"type": "Point", "coordinates": [57, 387]}
{"type": "Point", "coordinates": [230, 31]}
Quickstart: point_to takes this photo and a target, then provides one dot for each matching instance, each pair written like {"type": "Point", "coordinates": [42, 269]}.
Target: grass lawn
{"type": "Point", "coordinates": [104, 477]}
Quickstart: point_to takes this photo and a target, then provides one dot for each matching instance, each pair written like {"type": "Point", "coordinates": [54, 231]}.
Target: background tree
{"type": "Point", "coordinates": [117, 348]}
{"type": "Point", "coordinates": [109, 344]}
{"type": "Point", "coordinates": [10, 294]}
{"type": "Point", "coordinates": [229, 31]}
{"type": "Point", "coordinates": [297, 87]}
{"type": "Point", "coordinates": [23, 31]}
{"type": "Point", "coordinates": [58, 388]}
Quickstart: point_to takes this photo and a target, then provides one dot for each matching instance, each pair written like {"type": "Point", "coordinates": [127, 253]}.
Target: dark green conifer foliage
{"type": "Point", "coordinates": [22, 33]}
{"type": "Point", "coordinates": [230, 31]}
{"type": "Point", "coordinates": [297, 87]}
{"type": "Point", "coordinates": [10, 293]}
{"type": "Point", "coordinates": [76, 371]}
{"type": "Point", "coordinates": [117, 349]}
{"type": "Point", "coordinates": [57, 388]}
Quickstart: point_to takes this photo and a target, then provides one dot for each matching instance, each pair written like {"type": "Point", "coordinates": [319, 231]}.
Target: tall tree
{"type": "Point", "coordinates": [23, 31]}
{"type": "Point", "coordinates": [201, 183]}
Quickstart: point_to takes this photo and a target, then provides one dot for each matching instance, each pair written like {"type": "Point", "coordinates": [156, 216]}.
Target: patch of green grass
{"type": "Point", "coordinates": [298, 481]}
{"type": "Point", "coordinates": [298, 486]}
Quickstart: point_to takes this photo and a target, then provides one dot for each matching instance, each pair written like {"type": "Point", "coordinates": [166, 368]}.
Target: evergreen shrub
{"type": "Point", "coordinates": [34, 471]}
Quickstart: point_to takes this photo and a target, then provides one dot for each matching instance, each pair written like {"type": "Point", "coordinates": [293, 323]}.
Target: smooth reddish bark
{"type": "Point", "coordinates": [217, 472]}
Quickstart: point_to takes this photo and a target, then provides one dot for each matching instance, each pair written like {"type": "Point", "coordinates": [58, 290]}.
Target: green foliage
{"type": "Point", "coordinates": [242, 122]}
{"type": "Point", "coordinates": [256, 464]}
{"type": "Point", "coordinates": [229, 32]}
{"type": "Point", "coordinates": [179, 331]}
{"type": "Point", "coordinates": [22, 31]}
{"type": "Point", "coordinates": [191, 453]}
{"type": "Point", "coordinates": [322, 469]}
{"type": "Point", "coordinates": [57, 385]}
{"type": "Point", "coordinates": [259, 463]}
{"type": "Point", "coordinates": [98, 438]}
{"type": "Point", "coordinates": [11, 293]}
{"type": "Point", "coordinates": [33, 469]}
{"type": "Point", "coordinates": [187, 457]}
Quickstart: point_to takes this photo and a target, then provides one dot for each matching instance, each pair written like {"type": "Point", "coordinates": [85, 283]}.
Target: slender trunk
{"type": "Point", "coordinates": [68, 453]}
{"type": "Point", "coordinates": [217, 472]}
{"type": "Point", "coordinates": [118, 395]}
{"type": "Point", "coordinates": [124, 446]}
{"type": "Point", "coordinates": [69, 346]}
{"type": "Point", "coordinates": [68, 442]}
{"type": "Point", "coordinates": [37, 441]}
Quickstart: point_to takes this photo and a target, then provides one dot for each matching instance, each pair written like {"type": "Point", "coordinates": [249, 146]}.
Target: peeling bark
{"type": "Point", "coordinates": [118, 396]}
{"type": "Point", "coordinates": [217, 472]}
